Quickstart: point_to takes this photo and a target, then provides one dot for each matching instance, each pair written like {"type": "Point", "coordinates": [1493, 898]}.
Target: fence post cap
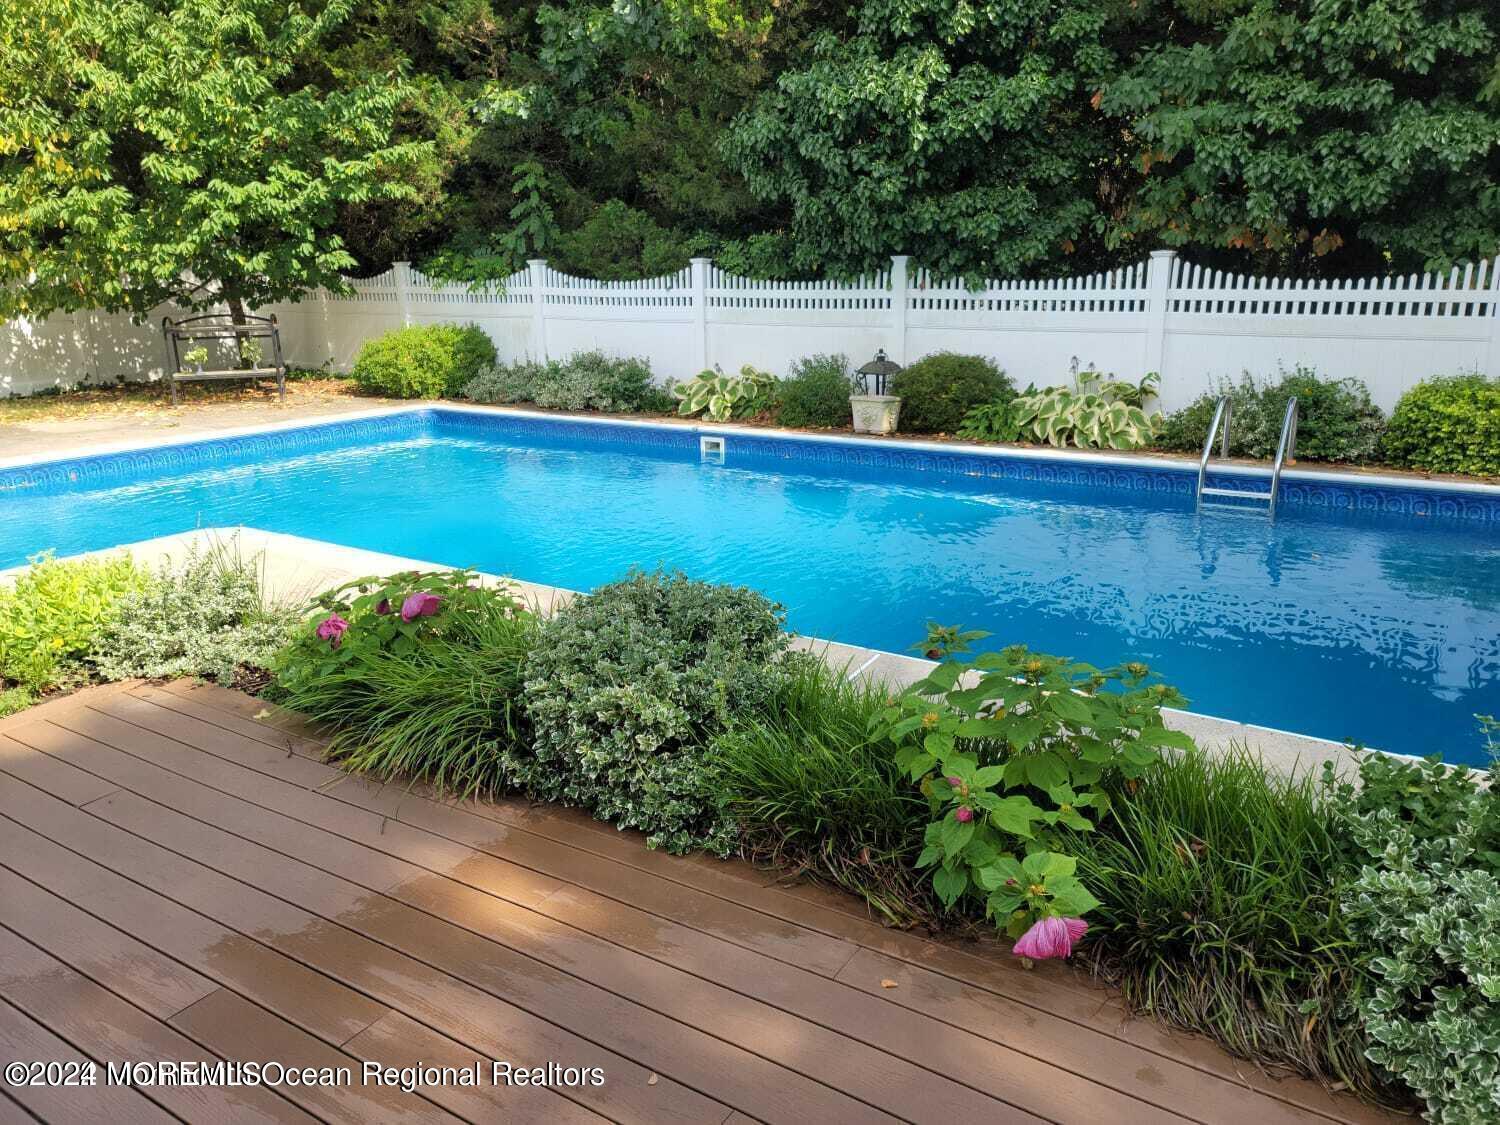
{"type": "Point", "coordinates": [1164, 253]}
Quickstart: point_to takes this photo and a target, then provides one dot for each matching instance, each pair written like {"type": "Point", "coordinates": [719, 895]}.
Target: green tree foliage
{"type": "Point", "coordinates": [192, 150]}
{"type": "Point", "coordinates": [1296, 128]}
{"type": "Point", "coordinates": [623, 105]}
{"type": "Point", "coordinates": [275, 143]}
{"type": "Point", "coordinates": [960, 133]}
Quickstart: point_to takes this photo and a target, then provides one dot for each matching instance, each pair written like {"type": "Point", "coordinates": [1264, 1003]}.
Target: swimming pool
{"type": "Point", "coordinates": [1363, 613]}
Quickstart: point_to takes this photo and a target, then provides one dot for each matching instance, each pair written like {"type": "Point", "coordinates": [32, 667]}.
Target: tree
{"type": "Point", "coordinates": [184, 150]}
{"type": "Point", "coordinates": [1297, 128]}
{"type": "Point", "coordinates": [960, 133]}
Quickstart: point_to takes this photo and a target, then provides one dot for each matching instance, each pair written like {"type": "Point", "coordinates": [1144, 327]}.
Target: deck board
{"type": "Point", "coordinates": [180, 858]}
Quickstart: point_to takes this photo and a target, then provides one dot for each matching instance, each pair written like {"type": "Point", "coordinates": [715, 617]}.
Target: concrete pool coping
{"type": "Point", "coordinates": [294, 569]}
{"type": "Point", "coordinates": [1001, 452]}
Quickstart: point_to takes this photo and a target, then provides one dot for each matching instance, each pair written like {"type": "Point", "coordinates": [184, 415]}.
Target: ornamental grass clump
{"type": "Point", "coordinates": [807, 788]}
{"type": "Point", "coordinates": [418, 674]}
{"type": "Point", "coordinates": [1218, 886]}
{"type": "Point", "coordinates": [626, 689]}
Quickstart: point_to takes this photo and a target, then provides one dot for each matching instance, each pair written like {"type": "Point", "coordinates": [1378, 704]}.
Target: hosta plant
{"type": "Point", "coordinates": [1007, 750]}
{"type": "Point", "coordinates": [720, 397]}
{"type": "Point", "coordinates": [1098, 413]}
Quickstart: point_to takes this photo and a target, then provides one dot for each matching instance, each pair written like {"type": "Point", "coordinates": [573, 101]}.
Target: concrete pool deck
{"type": "Point", "coordinates": [294, 569]}
{"type": "Point", "coordinates": [80, 435]}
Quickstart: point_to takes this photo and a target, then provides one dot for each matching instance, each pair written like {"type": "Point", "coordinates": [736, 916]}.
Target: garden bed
{"type": "Point", "coordinates": [1219, 897]}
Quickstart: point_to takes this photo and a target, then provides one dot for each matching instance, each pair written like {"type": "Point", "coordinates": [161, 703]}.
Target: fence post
{"type": "Point", "coordinates": [899, 302]}
{"type": "Point", "coordinates": [402, 270]}
{"type": "Point", "coordinates": [700, 312]}
{"type": "Point", "coordinates": [538, 268]}
{"type": "Point", "coordinates": [1158, 287]}
{"type": "Point", "coordinates": [1492, 363]}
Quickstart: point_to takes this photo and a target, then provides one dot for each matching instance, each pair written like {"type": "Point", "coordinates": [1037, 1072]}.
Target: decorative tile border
{"type": "Point", "coordinates": [76, 474]}
{"type": "Point", "coordinates": [751, 448]}
{"type": "Point", "coordinates": [476, 423]}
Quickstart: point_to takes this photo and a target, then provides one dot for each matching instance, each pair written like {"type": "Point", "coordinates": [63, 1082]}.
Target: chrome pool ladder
{"type": "Point", "coordinates": [1286, 450]}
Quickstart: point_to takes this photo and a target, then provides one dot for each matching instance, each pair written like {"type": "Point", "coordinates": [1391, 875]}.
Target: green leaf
{"type": "Point", "coordinates": [950, 885]}
{"type": "Point", "coordinates": [1024, 731]}
{"type": "Point", "coordinates": [1015, 815]}
{"type": "Point", "coordinates": [1046, 770]}
{"type": "Point", "coordinates": [956, 834]}
{"type": "Point", "coordinates": [920, 763]}
{"type": "Point", "coordinates": [1071, 897]}
{"type": "Point", "coordinates": [981, 728]}
{"type": "Point", "coordinates": [987, 777]}
{"type": "Point", "coordinates": [1040, 866]}
{"type": "Point", "coordinates": [1161, 736]}
{"type": "Point", "coordinates": [1069, 707]}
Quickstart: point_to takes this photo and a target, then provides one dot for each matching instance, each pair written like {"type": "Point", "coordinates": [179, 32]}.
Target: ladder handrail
{"type": "Point", "coordinates": [1285, 449]}
{"type": "Point", "coordinates": [1221, 415]}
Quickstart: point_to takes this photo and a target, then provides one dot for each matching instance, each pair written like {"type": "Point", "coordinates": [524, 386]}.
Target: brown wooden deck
{"type": "Point", "coordinates": [181, 879]}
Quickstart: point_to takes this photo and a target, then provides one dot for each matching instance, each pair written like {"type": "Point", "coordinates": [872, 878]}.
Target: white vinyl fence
{"type": "Point", "coordinates": [1190, 324]}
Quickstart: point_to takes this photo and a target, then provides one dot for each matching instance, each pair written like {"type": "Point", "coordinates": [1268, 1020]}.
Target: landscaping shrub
{"type": "Point", "coordinates": [420, 675]}
{"type": "Point", "coordinates": [1424, 906]}
{"type": "Point", "coordinates": [626, 688]}
{"type": "Point", "coordinates": [1336, 419]}
{"type": "Point", "coordinates": [204, 618]}
{"type": "Point", "coordinates": [54, 612]}
{"type": "Point", "coordinates": [816, 393]}
{"type": "Point", "coordinates": [807, 788]}
{"type": "Point", "coordinates": [1010, 759]}
{"type": "Point", "coordinates": [1219, 912]}
{"type": "Point", "coordinates": [586, 381]}
{"type": "Point", "coordinates": [936, 392]}
{"type": "Point", "coordinates": [423, 361]}
{"type": "Point", "coordinates": [1447, 425]}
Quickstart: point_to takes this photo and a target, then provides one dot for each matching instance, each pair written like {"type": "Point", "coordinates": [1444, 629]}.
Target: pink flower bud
{"type": "Point", "coordinates": [332, 629]}
{"type": "Point", "coordinates": [963, 814]}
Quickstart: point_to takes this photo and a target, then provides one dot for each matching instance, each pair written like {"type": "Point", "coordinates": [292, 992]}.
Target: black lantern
{"type": "Point", "coordinates": [880, 368]}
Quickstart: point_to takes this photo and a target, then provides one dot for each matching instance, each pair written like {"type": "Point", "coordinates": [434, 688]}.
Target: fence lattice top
{"type": "Point", "coordinates": [1187, 289]}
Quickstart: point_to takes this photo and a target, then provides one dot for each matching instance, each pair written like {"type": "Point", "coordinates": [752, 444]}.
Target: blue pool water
{"type": "Point", "coordinates": [1375, 627]}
